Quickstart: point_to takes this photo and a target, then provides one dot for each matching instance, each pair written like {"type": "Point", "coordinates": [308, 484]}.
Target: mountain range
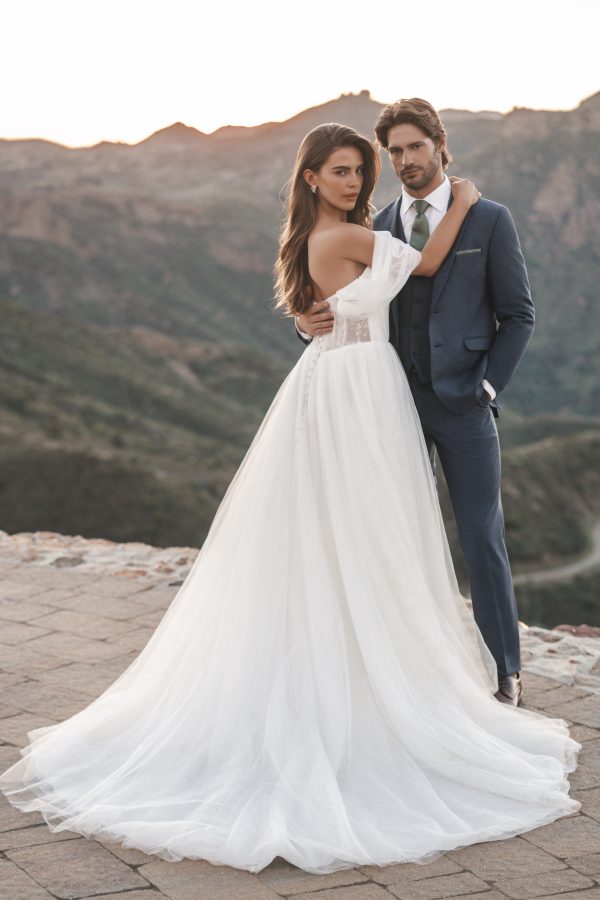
{"type": "Point", "coordinates": [139, 345]}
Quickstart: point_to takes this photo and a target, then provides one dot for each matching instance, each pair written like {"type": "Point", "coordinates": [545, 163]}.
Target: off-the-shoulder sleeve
{"type": "Point", "coordinates": [393, 261]}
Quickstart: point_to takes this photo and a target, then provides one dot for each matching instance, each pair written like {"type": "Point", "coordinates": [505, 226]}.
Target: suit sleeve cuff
{"type": "Point", "coordinates": [307, 337]}
{"type": "Point", "coordinates": [489, 388]}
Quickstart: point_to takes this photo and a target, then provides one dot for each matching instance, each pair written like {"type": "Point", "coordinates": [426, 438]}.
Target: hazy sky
{"type": "Point", "coordinates": [80, 71]}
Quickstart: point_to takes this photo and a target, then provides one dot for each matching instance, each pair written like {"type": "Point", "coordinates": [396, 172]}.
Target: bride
{"type": "Point", "coordinates": [318, 688]}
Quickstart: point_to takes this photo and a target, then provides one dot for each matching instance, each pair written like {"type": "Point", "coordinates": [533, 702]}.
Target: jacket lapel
{"type": "Point", "coordinates": [391, 221]}
{"type": "Point", "coordinates": [441, 276]}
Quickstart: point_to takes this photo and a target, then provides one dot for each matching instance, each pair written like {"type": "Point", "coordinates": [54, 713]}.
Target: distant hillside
{"type": "Point", "coordinates": [130, 435]}
{"type": "Point", "coordinates": [178, 232]}
{"type": "Point", "coordinates": [139, 348]}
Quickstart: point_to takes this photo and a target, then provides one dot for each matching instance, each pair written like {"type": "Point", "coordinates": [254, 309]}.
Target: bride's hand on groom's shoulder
{"type": "Point", "coordinates": [464, 189]}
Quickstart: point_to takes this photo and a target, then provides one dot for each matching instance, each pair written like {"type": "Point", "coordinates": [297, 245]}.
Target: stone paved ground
{"type": "Point", "coordinates": [68, 629]}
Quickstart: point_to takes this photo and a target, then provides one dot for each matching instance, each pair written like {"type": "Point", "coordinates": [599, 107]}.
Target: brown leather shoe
{"type": "Point", "coordinates": [510, 689]}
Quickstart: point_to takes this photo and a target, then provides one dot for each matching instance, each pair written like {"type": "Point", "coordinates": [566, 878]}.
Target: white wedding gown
{"type": "Point", "coordinates": [318, 688]}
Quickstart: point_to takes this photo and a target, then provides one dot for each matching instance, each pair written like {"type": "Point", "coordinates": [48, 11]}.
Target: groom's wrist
{"type": "Point", "coordinates": [303, 334]}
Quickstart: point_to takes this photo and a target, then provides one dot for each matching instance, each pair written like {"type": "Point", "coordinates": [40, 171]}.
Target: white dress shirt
{"type": "Point", "coordinates": [438, 201]}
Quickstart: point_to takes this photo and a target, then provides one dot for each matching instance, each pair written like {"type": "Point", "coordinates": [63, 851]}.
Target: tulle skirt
{"type": "Point", "coordinates": [318, 688]}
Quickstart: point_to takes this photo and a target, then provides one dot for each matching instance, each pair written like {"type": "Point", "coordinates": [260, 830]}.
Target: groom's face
{"type": "Point", "coordinates": [414, 156]}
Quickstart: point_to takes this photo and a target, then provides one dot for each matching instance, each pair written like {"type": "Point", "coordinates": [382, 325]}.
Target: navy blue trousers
{"type": "Point", "coordinates": [469, 452]}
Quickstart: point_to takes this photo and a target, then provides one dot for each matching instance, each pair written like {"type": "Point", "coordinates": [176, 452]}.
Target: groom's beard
{"type": "Point", "coordinates": [422, 175]}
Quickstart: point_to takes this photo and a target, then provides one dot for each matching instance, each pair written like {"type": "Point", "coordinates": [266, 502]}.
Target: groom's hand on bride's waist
{"type": "Point", "coordinates": [318, 319]}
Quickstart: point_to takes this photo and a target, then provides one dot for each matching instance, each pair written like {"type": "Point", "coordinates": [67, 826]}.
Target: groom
{"type": "Point", "coordinates": [460, 336]}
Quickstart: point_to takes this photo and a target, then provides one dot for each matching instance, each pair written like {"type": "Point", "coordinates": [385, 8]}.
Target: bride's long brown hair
{"type": "Point", "coordinates": [293, 285]}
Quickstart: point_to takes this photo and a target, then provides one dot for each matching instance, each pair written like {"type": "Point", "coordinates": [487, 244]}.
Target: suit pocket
{"type": "Point", "coordinates": [465, 252]}
{"type": "Point", "coordinates": [480, 342]}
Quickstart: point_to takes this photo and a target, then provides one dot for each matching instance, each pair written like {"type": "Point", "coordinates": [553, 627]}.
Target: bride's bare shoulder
{"type": "Point", "coordinates": [347, 239]}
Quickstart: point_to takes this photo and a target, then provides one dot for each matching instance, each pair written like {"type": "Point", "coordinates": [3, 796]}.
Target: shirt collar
{"type": "Point", "coordinates": [438, 198]}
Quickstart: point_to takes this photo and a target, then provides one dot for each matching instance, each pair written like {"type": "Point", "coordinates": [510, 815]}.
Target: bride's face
{"type": "Point", "coordinates": [340, 179]}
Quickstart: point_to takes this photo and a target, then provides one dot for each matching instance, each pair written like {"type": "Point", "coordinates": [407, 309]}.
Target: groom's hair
{"type": "Point", "coordinates": [413, 112]}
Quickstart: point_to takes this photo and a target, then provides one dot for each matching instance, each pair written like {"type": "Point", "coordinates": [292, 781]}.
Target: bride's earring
{"type": "Point", "coordinates": [313, 188]}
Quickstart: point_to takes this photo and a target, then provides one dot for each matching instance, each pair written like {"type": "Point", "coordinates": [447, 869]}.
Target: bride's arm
{"type": "Point", "coordinates": [356, 242]}
{"type": "Point", "coordinates": [438, 245]}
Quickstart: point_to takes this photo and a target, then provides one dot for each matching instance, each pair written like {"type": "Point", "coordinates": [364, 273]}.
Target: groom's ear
{"type": "Point", "coordinates": [442, 149]}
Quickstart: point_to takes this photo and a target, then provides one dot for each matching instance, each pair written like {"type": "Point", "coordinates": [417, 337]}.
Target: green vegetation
{"type": "Point", "coordinates": [573, 602]}
{"type": "Point", "coordinates": [139, 349]}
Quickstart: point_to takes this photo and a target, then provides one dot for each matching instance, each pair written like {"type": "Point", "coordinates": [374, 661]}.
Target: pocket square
{"type": "Point", "coordinates": [474, 250]}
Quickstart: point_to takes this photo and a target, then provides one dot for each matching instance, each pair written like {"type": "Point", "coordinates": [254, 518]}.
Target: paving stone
{"type": "Point", "coordinates": [560, 695]}
{"type": "Point", "coordinates": [8, 756]}
{"type": "Point", "coordinates": [583, 778]}
{"type": "Point", "coordinates": [537, 683]}
{"type": "Point", "coordinates": [589, 756]}
{"type": "Point", "coordinates": [583, 734]}
{"type": "Point", "coordinates": [78, 599]}
{"type": "Point", "coordinates": [590, 800]}
{"type": "Point", "coordinates": [88, 624]}
{"type": "Point", "coordinates": [46, 579]}
{"type": "Point", "coordinates": [590, 894]}
{"type": "Point", "coordinates": [435, 888]}
{"type": "Point", "coordinates": [29, 659]}
{"type": "Point", "coordinates": [353, 892]}
{"type": "Point", "coordinates": [115, 586]}
{"type": "Point", "coordinates": [120, 608]}
{"type": "Point", "coordinates": [73, 869]}
{"type": "Point", "coordinates": [488, 895]}
{"type": "Point", "coordinates": [493, 859]}
{"type": "Point", "coordinates": [91, 680]}
{"type": "Point", "coordinates": [69, 648]}
{"type": "Point", "coordinates": [286, 879]}
{"type": "Point", "coordinates": [9, 678]}
{"type": "Point", "coordinates": [17, 885]}
{"type": "Point", "coordinates": [130, 855]}
{"type": "Point", "coordinates": [32, 835]}
{"type": "Point", "coordinates": [19, 632]}
{"type": "Point", "coordinates": [155, 598]}
{"type": "Point", "coordinates": [567, 836]}
{"type": "Point", "coordinates": [16, 589]}
{"type": "Point", "coordinates": [47, 699]}
{"type": "Point", "coordinates": [136, 895]}
{"type": "Point", "coordinates": [14, 730]}
{"type": "Point", "coordinates": [588, 864]}
{"type": "Point", "coordinates": [585, 711]}
{"type": "Point", "coordinates": [410, 871]}
{"type": "Point", "coordinates": [12, 819]}
{"type": "Point", "coordinates": [7, 710]}
{"type": "Point", "coordinates": [133, 640]}
{"type": "Point", "coordinates": [153, 618]}
{"type": "Point", "coordinates": [530, 886]}
{"type": "Point", "coordinates": [194, 879]}
{"type": "Point", "coordinates": [22, 610]}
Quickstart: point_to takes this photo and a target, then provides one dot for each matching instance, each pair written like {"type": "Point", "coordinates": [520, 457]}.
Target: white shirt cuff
{"type": "Point", "coordinates": [489, 388]}
{"type": "Point", "coordinates": [307, 337]}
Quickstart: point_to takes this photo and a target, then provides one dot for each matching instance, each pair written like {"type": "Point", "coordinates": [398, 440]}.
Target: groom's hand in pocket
{"type": "Point", "coordinates": [318, 319]}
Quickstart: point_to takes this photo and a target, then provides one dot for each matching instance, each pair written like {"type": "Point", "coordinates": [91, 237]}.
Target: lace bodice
{"type": "Point", "coordinates": [361, 307]}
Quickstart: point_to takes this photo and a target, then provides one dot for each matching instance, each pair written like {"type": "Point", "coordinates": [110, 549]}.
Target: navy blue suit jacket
{"type": "Point", "coordinates": [482, 314]}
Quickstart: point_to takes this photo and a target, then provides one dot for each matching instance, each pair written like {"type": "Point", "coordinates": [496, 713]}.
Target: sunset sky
{"type": "Point", "coordinates": [81, 71]}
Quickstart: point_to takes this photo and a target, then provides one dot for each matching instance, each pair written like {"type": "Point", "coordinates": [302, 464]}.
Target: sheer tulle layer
{"type": "Point", "coordinates": [318, 689]}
